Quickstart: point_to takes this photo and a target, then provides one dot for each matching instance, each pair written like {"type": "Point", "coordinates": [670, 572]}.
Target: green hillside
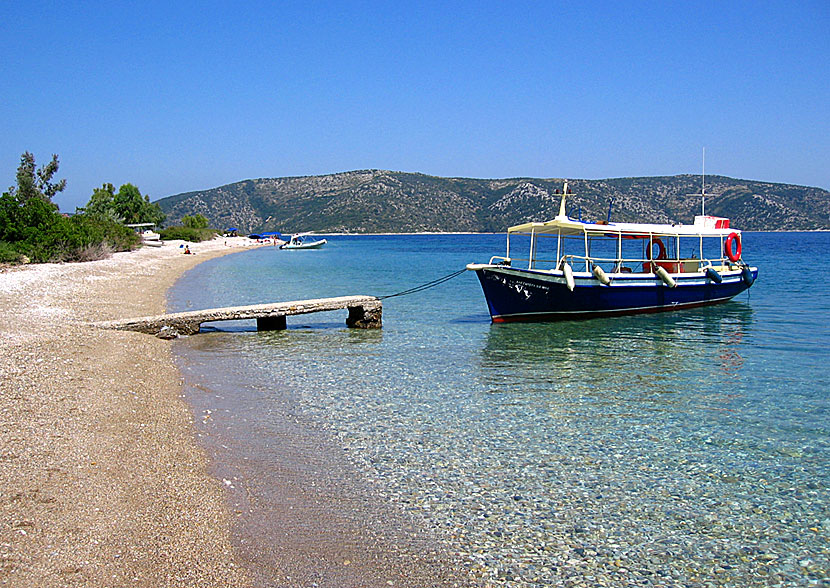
{"type": "Point", "coordinates": [376, 201]}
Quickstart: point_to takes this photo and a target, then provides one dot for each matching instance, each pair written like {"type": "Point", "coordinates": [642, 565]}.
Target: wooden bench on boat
{"type": "Point", "coordinates": [365, 312]}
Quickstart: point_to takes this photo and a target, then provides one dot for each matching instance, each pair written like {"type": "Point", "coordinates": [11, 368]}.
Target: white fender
{"type": "Point", "coordinates": [664, 275]}
{"type": "Point", "coordinates": [600, 274]}
{"type": "Point", "coordinates": [569, 275]}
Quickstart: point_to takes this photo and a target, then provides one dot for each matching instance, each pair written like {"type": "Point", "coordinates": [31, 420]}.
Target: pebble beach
{"type": "Point", "coordinates": [102, 482]}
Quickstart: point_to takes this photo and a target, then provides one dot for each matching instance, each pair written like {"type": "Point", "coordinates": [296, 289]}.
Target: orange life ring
{"type": "Point", "coordinates": [727, 247]}
{"type": "Point", "coordinates": [661, 250]}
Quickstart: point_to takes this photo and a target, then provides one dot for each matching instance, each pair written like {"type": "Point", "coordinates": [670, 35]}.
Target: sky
{"type": "Point", "coordinates": [181, 96]}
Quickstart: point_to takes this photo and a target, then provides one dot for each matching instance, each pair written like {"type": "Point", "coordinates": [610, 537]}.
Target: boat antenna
{"type": "Point", "coordinates": [702, 186]}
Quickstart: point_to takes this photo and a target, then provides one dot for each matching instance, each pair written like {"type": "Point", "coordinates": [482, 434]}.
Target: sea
{"type": "Point", "coordinates": [689, 448]}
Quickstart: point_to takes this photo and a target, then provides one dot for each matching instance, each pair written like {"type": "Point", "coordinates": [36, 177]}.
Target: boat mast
{"type": "Point", "coordinates": [703, 185]}
{"type": "Point", "coordinates": [562, 203]}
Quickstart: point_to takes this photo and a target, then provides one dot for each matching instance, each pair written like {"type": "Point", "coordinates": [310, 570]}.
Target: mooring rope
{"type": "Point", "coordinates": [425, 286]}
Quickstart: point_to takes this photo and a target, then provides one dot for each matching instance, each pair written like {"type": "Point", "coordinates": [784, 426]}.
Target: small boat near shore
{"type": "Point", "coordinates": [148, 236]}
{"type": "Point", "coordinates": [577, 269]}
{"type": "Point", "coordinates": [299, 241]}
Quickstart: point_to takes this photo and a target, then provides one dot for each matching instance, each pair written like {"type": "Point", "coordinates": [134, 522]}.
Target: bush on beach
{"type": "Point", "coordinates": [191, 234]}
{"type": "Point", "coordinates": [32, 227]}
{"type": "Point", "coordinates": [52, 237]}
{"type": "Point", "coordinates": [194, 229]}
{"type": "Point", "coordinates": [8, 254]}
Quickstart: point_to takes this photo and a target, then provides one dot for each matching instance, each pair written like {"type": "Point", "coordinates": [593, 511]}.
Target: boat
{"type": "Point", "coordinates": [148, 236]}
{"type": "Point", "coordinates": [576, 269]}
{"type": "Point", "coordinates": [152, 240]}
{"type": "Point", "coordinates": [299, 241]}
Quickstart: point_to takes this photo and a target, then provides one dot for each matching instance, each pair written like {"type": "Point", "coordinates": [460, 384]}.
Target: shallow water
{"type": "Point", "coordinates": [681, 449]}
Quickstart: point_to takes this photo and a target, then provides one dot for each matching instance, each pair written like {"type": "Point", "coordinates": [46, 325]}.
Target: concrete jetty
{"type": "Point", "coordinates": [365, 312]}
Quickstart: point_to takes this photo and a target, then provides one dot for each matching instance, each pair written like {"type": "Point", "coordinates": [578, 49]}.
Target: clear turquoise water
{"type": "Point", "coordinates": [682, 449]}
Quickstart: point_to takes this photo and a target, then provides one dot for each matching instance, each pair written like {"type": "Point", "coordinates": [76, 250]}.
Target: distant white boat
{"type": "Point", "coordinates": [147, 234]}
{"type": "Point", "coordinates": [298, 241]}
{"type": "Point", "coordinates": [152, 241]}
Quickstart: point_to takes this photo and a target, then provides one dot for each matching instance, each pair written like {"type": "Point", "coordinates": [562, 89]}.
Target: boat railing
{"type": "Point", "coordinates": [530, 263]}
{"type": "Point", "coordinates": [615, 265]}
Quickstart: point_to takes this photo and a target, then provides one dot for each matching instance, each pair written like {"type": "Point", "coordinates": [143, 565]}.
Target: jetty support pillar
{"type": "Point", "coordinates": [271, 323]}
{"type": "Point", "coordinates": [368, 315]}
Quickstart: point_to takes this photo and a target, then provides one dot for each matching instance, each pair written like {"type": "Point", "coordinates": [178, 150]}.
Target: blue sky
{"type": "Point", "coordinates": [180, 96]}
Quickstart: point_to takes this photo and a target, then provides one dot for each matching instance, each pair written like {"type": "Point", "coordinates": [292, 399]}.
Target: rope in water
{"type": "Point", "coordinates": [425, 286]}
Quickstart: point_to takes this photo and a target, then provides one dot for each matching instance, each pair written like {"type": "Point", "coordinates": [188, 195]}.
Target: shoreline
{"type": "Point", "coordinates": [103, 479]}
{"type": "Point", "coordinates": [106, 478]}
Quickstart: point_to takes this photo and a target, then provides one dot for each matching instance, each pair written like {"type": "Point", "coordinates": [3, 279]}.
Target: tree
{"type": "Point", "coordinates": [128, 203]}
{"type": "Point", "coordinates": [127, 206]}
{"type": "Point", "coordinates": [135, 208]}
{"type": "Point", "coordinates": [28, 208]}
{"type": "Point", "coordinates": [32, 228]}
{"type": "Point", "coordinates": [197, 221]}
{"type": "Point", "coordinates": [32, 183]}
{"type": "Point", "coordinates": [101, 203]}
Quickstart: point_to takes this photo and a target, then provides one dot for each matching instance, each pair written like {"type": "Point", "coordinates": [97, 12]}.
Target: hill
{"type": "Point", "coordinates": [376, 201]}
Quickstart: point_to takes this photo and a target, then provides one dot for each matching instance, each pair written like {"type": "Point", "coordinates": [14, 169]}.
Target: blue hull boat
{"type": "Point", "coordinates": [579, 270]}
{"type": "Point", "coordinates": [531, 295]}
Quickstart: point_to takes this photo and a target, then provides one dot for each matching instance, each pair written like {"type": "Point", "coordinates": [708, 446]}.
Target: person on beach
{"type": "Point", "coordinates": [187, 250]}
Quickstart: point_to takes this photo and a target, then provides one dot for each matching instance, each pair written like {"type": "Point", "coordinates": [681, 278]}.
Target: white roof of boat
{"type": "Point", "coordinates": [569, 226]}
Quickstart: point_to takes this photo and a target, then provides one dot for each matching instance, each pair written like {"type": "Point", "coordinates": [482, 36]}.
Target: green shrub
{"type": "Point", "coordinates": [95, 238]}
{"type": "Point", "coordinates": [187, 234]}
{"type": "Point", "coordinates": [8, 253]}
{"type": "Point", "coordinates": [55, 238]}
{"type": "Point", "coordinates": [197, 221]}
{"type": "Point", "coordinates": [32, 226]}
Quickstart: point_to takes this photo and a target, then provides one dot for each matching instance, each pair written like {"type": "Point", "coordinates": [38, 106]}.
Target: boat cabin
{"type": "Point", "coordinates": [623, 247]}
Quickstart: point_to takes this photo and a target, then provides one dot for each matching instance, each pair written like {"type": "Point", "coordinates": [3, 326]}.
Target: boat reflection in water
{"type": "Point", "coordinates": [625, 356]}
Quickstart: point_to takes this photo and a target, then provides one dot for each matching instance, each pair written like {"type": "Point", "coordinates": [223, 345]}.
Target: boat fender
{"type": "Point", "coordinates": [746, 274]}
{"type": "Point", "coordinates": [664, 275]}
{"type": "Point", "coordinates": [733, 256]}
{"type": "Point", "coordinates": [713, 275]}
{"type": "Point", "coordinates": [569, 276]}
{"type": "Point", "coordinates": [600, 274]}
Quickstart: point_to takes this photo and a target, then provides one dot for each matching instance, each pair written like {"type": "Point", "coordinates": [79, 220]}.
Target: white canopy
{"type": "Point", "coordinates": [568, 226]}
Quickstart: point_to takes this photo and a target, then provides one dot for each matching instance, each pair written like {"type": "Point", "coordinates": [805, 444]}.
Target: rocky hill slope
{"type": "Point", "coordinates": [376, 201]}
